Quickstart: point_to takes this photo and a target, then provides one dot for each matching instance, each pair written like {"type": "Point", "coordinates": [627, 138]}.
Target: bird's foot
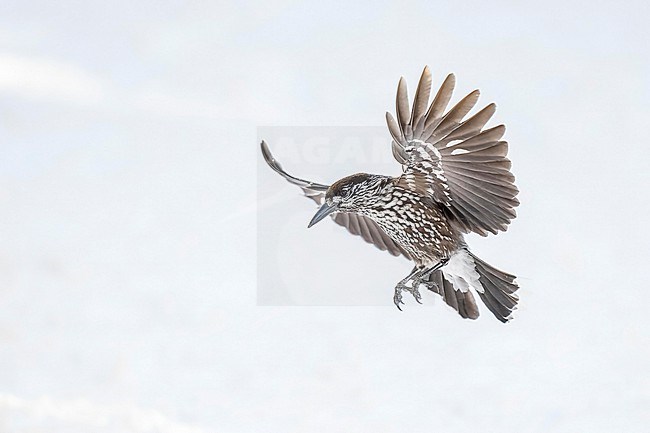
{"type": "Point", "coordinates": [413, 290]}
{"type": "Point", "coordinates": [397, 297]}
{"type": "Point", "coordinates": [430, 285]}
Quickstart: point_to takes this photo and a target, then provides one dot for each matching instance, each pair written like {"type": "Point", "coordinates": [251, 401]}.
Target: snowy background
{"type": "Point", "coordinates": [129, 212]}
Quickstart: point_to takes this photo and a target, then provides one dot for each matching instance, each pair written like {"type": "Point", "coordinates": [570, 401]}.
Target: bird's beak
{"type": "Point", "coordinates": [324, 210]}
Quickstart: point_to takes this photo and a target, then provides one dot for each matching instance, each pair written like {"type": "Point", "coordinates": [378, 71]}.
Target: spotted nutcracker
{"type": "Point", "coordinates": [456, 179]}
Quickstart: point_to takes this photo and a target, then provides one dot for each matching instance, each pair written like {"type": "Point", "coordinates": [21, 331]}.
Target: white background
{"type": "Point", "coordinates": [128, 218]}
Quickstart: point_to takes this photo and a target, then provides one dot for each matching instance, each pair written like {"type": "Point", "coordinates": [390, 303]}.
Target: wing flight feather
{"type": "Point", "coordinates": [454, 161]}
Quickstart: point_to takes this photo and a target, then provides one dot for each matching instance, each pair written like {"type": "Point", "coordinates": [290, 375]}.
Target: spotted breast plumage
{"type": "Point", "coordinates": [456, 179]}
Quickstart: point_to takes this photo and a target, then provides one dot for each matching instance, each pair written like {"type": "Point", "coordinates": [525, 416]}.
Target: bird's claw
{"type": "Point", "coordinates": [413, 290]}
{"type": "Point", "coordinates": [397, 297]}
{"type": "Point", "coordinates": [430, 285]}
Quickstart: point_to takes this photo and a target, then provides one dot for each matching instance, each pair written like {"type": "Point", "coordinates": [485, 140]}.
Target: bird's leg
{"type": "Point", "coordinates": [397, 298]}
{"type": "Point", "coordinates": [424, 275]}
{"type": "Point", "coordinates": [417, 276]}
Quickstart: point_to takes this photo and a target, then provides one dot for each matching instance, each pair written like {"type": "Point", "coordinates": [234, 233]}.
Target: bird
{"type": "Point", "coordinates": [456, 179]}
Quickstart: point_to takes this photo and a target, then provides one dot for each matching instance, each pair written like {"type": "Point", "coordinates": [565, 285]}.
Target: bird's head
{"type": "Point", "coordinates": [351, 194]}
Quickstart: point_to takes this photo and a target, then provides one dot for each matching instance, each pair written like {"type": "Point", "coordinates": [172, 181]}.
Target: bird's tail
{"type": "Point", "coordinates": [463, 302]}
{"type": "Point", "coordinates": [464, 270]}
{"type": "Point", "coordinates": [499, 289]}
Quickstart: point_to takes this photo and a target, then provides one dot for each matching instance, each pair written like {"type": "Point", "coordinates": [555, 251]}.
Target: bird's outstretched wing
{"type": "Point", "coordinates": [313, 190]}
{"type": "Point", "coordinates": [356, 224]}
{"type": "Point", "coordinates": [453, 160]}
